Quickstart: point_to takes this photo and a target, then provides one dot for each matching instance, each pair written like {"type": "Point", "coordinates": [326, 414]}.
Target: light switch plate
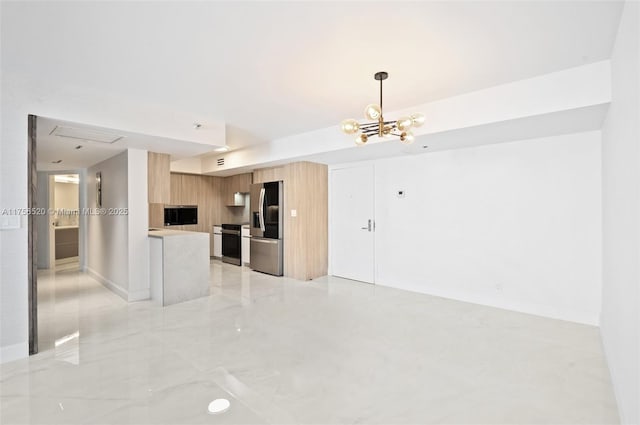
{"type": "Point", "coordinates": [8, 222]}
{"type": "Point", "coordinates": [294, 213]}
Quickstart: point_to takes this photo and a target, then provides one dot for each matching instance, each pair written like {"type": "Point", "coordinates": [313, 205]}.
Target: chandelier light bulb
{"type": "Point", "coordinates": [404, 123]}
{"type": "Point", "coordinates": [407, 137]}
{"type": "Point", "coordinates": [350, 126]}
{"type": "Point", "coordinates": [372, 111]}
{"type": "Point", "coordinates": [418, 119]}
{"type": "Point", "coordinates": [361, 139]}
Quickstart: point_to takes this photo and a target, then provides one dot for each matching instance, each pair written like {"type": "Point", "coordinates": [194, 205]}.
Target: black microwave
{"type": "Point", "coordinates": [176, 215]}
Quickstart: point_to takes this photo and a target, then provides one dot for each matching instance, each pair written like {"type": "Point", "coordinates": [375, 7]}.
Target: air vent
{"type": "Point", "coordinates": [220, 162]}
{"type": "Point", "coordinates": [85, 134]}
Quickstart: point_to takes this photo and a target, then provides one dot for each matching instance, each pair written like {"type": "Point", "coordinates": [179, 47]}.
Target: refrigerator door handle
{"type": "Point", "coordinates": [261, 209]}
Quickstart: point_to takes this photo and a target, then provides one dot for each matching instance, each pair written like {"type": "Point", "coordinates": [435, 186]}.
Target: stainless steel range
{"type": "Point", "coordinates": [231, 244]}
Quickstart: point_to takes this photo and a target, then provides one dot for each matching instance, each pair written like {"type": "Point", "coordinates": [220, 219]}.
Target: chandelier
{"type": "Point", "coordinates": [399, 128]}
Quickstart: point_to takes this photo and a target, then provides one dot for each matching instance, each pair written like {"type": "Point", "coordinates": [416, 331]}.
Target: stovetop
{"type": "Point", "coordinates": [232, 226]}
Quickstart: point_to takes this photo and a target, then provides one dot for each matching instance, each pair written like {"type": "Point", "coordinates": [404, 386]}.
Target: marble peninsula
{"type": "Point", "coordinates": [179, 265]}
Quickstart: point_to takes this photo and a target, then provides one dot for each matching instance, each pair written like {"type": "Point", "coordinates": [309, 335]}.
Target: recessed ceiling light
{"type": "Point", "coordinates": [222, 149]}
{"type": "Point", "coordinates": [424, 146]}
{"type": "Point", "coordinates": [56, 162]}
{"type": "Point", "coordinates": [197, 125]}
{"type": "Point", "coordinates": [79, 147]}
{"type": "Point", "coordinates": [218, 405]}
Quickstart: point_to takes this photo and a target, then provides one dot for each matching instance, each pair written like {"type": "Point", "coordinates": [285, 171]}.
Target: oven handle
{"type": "Point", "coordinates": [260, 240]}
{"type": "Point", "coordinates": [230, 232]}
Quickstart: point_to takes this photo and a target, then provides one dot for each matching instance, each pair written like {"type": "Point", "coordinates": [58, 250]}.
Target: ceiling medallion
{"type": "Point", "coordinates": [399, 128]}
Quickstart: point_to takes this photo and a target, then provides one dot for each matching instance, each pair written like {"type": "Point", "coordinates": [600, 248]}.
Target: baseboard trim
{"type": "Point", "coordinates": [509, 305]}
{"type": "Point", "coordinates": [613, 372]}
{"type": "Point", "coordinates": [140, 295]}
{"type": "Point", "coordinates": [14, 352]}
{"type": "Point", "coordinates": [110, 285]}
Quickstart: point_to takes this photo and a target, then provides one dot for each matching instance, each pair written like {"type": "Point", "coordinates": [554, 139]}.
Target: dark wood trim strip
{"type": "Point", "coordinates": [32, 237]}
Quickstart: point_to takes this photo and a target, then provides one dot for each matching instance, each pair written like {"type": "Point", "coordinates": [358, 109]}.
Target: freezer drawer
{"type": "Point", "coordinates": [266, 255]}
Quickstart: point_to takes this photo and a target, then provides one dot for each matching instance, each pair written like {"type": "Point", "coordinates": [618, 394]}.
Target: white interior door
{"type": "Point", "coordinates": [352, 226]}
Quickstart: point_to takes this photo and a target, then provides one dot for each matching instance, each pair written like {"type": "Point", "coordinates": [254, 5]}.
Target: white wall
{"type": "Point", "coordinates": [138, 225]}
{"type": "Point", "coordinates": [621, 218]}
{"type": "Point", "coordinates": [513, 225]}
{"type": "Point", "coordinates": [14, 318]}
{"type": "Point", "coordinates": [107, 235]}
{"type": "Point", "coordinates": [118, 251]}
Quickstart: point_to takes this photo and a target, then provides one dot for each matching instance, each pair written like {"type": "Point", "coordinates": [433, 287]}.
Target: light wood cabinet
{"type": "Point", "coordinates": [156, 215]}
{"type": "Point", "coordinates": [176, 190]}
{"type": "Point", "coordinates": [306, 234]}
{"type": "Point", "coordinates": [206, 192]}
{"type": "Point", "coordinates": [272, 174]}
{"type": "Point", "coordinates": [240, 183]}
{"type": "Point", "coordinates": [306, 246]}
{"type": "Point", "coordinates": [158, 178]}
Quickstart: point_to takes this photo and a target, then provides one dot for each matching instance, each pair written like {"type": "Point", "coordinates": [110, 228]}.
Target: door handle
{"type": "Point", "coordinates": [261, 210]}
{"type": "Point", "coordinates": [368, 227]}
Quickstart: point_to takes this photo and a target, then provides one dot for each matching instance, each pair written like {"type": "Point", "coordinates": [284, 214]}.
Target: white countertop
{"type": "Point", "coordinates": [161, 233]}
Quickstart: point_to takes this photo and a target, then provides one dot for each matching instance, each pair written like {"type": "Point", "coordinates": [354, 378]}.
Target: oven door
{"type": "Point", "coordinates": [231, 245]}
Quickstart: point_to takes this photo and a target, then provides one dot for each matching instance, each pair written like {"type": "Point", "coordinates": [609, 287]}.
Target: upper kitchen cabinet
{"type": "Point", "coordinates": [272, 174]}
{"type": "Point", "coordinates": [159, 178]}
{"type": "Point", "coordinates": [234, 185]}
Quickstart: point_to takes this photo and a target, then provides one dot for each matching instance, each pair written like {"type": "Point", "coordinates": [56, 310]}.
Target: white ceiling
{"type": "Point", "coordinates": [272, 69]}
{"type": "Point", "coordinates": [52, 148]}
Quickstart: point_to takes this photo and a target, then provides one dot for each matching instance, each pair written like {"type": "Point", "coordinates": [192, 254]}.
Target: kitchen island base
{"type": "Point", "coordinates": [179, 266]}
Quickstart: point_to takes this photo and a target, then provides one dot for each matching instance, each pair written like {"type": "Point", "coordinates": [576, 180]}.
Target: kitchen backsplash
{"type": "Point", "coordinates": [241, 214]}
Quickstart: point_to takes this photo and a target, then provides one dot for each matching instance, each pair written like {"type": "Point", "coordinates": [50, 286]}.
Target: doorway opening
{"type": "Point", "coordinates": [56, 240]}
{"type": "Point", "coordinates": [64, 221]}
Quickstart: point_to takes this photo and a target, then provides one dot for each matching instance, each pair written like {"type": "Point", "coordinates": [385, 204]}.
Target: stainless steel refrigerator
{"type": "Point", "coordinates": [266, 227]}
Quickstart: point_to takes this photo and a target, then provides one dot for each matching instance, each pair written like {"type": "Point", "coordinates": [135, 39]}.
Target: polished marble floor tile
{"type": "Point", "coordinates": [284, 351]}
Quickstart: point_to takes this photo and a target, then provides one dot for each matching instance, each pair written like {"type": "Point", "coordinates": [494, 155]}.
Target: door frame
{"type": "Point", "coordinates": [32, 236]}
{"type": "Point", "coordinates": [330, 170]}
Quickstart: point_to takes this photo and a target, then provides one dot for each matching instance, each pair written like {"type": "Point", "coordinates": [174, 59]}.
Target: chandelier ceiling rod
{"type": "Point", "coordinates": [380, 91]}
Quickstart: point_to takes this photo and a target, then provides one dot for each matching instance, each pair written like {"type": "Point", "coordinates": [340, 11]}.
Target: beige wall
{"type": "Point", "coordinates": [66, 196]}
